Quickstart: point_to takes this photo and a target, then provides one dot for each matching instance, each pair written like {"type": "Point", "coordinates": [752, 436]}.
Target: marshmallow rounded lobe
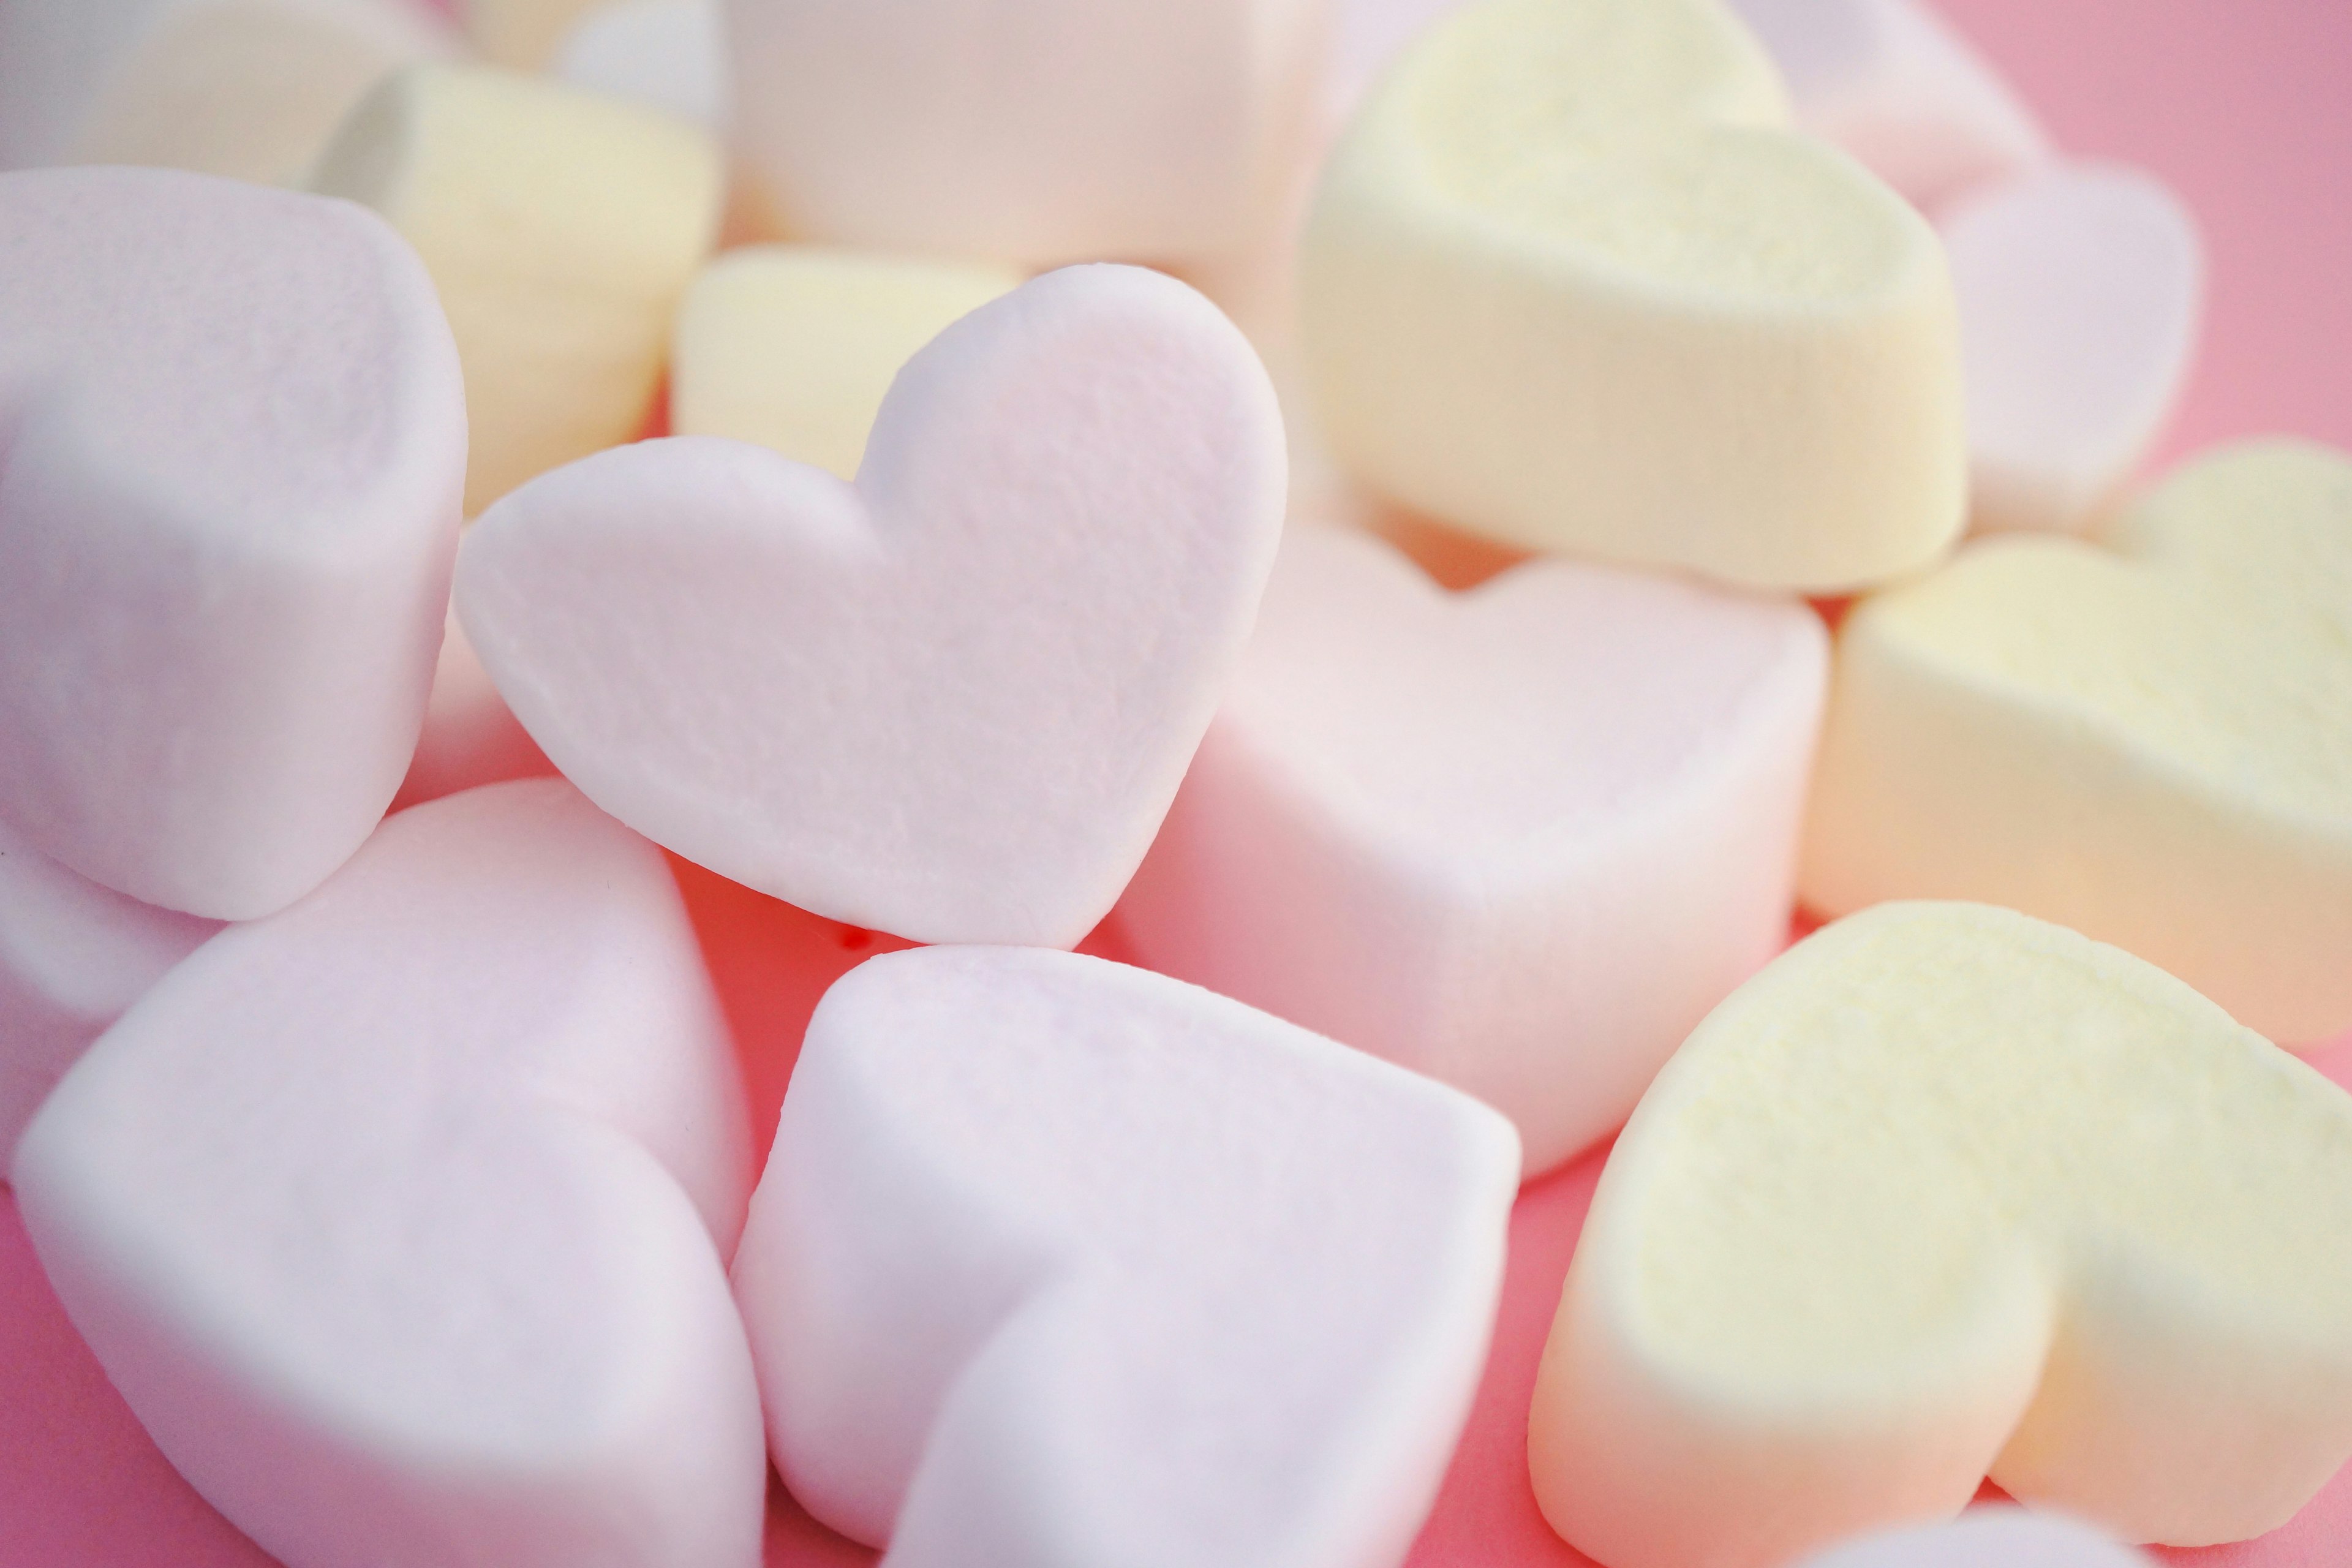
{"type": "Point", "coordinates": [792, 347]}
{"type": "Point", "coordinates": [1948, 1191]}
{"type": "Point", "coordinates": [1982, 1537]}
{"type": "Point", "coordinates": [1521, 840]}
{"type": "Point", "coordinates": [668, 54]}
{"type": "Point", "coordinates": [1040, 134]}
{"type": "Point", "coordinates": [2080, 287]}
{"type": "Point", "coordinates": [2148, 739]}
{"type": "Point", "coordinates": [228, 508]}
{"type": "Point", "coordinates": [399, 1218]}
{"type": "Point", "coordinates": [952, 701]}
{"type": "Point", "coordinates": [560, 228]}
{"type": "Point", "coordinates": [1894, 83]}
{"type": "Point", "coordinates": [73, 956]}
{"type": "Point", "coordinates": [1061, 1261]}
{"type": "Point", "coordinates": [1571, 282]}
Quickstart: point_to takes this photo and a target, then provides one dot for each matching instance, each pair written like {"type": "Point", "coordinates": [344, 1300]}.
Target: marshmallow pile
{"type": "Point", "coordinates": [1332, 487]}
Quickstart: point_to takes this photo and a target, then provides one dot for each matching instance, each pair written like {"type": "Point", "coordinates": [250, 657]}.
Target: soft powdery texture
{"type": "Point", "coordinates": [1986, 1538]}
{"type": "Point", "coordinates": [1522, 840]}
{"type": "Point", "coordinates": [953, 702]}
{"type": "Point", "coordinates": [228, 502]}
{"type": "Point", "coordinates": [398, 1218]}
{"type": "Point", "coordinates": [1570, 283]}
{"type": "Point", "coordinates": [1947, 1191]}
{"type": "Point", "coordinates": [1061, 1262]}
{"type": "Point", "coordinates": [2149, 740]}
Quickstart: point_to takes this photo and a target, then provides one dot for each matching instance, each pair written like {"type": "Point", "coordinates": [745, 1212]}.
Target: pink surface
{"type": "Point", "coordinates": [2238, 104]}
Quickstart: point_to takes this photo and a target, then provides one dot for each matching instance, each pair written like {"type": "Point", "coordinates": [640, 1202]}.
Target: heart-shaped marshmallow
{"type": "Point", "coordinates": [1946, 1191]}
{"type": "Point", "coordinates": [1570, 283]}
{"type": "Point", "coordinates": [1891, 83]}
{"type": "Point", "coordinates": [1521, 841]}
{"type": "Point", "coordinates": [560, 228]}
{"type": "Point", "coordinates": [1986, 1538]}
{"type": "Point", "coordinates": [1049, 131]}
{"type": "Point", "coordinates": [954, 702]}
{"type": "Point", "coordinates": [2080, 288]}
{"type": "Point", "coordinates": [793, 346]}
{"type": "Point", "coordinates": [670, 54]}
{"type": "Point", "coordinates": [73, 955]}
{"type": "Point", "coordinates": [1058, 1261]}
{"type": "Point", "coordinates": [2149, 743]}
{"type": "Point", "coordinates": [234, 439]}
{"type": "Point", "coordinates": [400, 1217]}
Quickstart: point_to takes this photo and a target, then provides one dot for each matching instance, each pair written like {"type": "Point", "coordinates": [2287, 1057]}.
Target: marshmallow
{"type": "Point", "coordinates": [1569, 284]}
{"type": "Point", "coordinates": [471, 739]}
{"type": "Point", "coordinates": [1370, 34]}
{"type": "Point", "coordinates": [1043, 132]}
{"type": "Point", "coordinates": [228, 504]}
{"type": "Point", "coordinates": [2149, 743]}
{"type": "Point", "coordinates": [2080, 288]}
{"type": "Point", "coordinates": [521, 34]}
{"type": "Point", "coordinates": [953, 702]}
{"type": "Point", "coordinates": [1059, 1262]}
{"type": "Point", "coordinates": [1520, 841]}
{"type": "Point", "coordinates": [791, 346]}
{"type": "Point", "coordinates": [560, 228]}
{"type": "Point", "coordinates": [399, 1218]}
{"type": "Point", "coordinates": [1891, 83]}
{"type": "Point", "coordinates": [666, 53]}
{"type": "Point", "coordinates": [1986, 1538]}
{"type": "Point", "coordinates": [73, 955]}
{"type": "Point", "coordinates": [1946, 1191]}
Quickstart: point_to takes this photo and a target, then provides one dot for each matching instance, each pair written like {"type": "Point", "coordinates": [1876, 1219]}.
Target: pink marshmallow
{"type": "Point", "coordinates": [399, 1218]}
{"type": "Point", "coordinates": [953, 702]}
{"type": "Point", "coordinates": [470, 738]}
{"type": "Point", "coordinates": [1059, 1262]}
{"type": "Point", "coordinates": [1521, 839]}
{"type": "Point", "coordinates": [228, 507]}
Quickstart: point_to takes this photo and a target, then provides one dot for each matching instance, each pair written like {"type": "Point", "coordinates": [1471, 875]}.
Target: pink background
{"type": "Point", "coordinates": [2245, 106]}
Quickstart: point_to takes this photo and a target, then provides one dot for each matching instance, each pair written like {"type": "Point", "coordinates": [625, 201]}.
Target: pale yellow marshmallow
{"type": "Point", "coordinates": [791, 346]}
{"type": "Point", "coordinates": [1944, 1192]}
{"type": "Point", "coordinates": [522, 34]}
{"type": "Point", "coordinates": [2150, 741]}
{"type": "Point", "coordinates": [1569, 282]}
{"type": "Point", "coordinates": [560, 228]}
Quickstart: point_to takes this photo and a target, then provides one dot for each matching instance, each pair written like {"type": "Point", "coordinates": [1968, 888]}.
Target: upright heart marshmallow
{"type": "Point", "coordinates": [1946, 1191]}
{"type": "Point", "coordinates": [667, 53]}
{"type": "Point", "coordinates": [1045, 133]}
{"type": "Point", "coordinates": [249, 88]}
{"type": "Point", "coordinates": [522, 35]}
{"type": "Point", "coordinates": [1058, 1261]}
{"type": "Point", "coordinates": [470, 738]}
{"type": "Point", "coordinates": [2151, 742]}
{"type": "Point", "coordinates": [560, 228]}
{"type": "Point", "coordinates": [954, 702]}
{"type": "Point", "coordinates": [1986, 1538]}
{"type": "Point", "coordinates": [1571, 284]}
{"type": "Point", "coordinates": [228, 502]}
{"type": "Point", "coordinates": [2080, 289]}
{"type": "Point", "coordinates": [1890, 82]}
{"type": "Point", "coordinates": [73, 955]}
{"type": "Point", "coordinates": [793, 346]}
{"type": "Point", "coordinates": [400, 1218]}
{"type": "Point", "coordinates": [1520, 841]}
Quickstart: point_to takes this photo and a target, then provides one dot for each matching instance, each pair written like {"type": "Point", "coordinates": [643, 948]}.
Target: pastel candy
{"type": "Point", "coordinates": [399, 1218]}
{"type": "Point", "coordinates": [1520, 841]}
{"type": "Point", "coordinates": [2080, 289]}
{"type": "Point", "coordinates": [1571, 284]}
{"type": "Point", "coordinates": [1893, 83]}
{"type": "Point", "coordinates": [666, 53]}
{"type": "Point", "coordinates": [2150, 741]}
{"type": "Point", "coordinates": [560, 228]}
{"type": "Point", "coordinates": [1058, 1261]}
{"type": "Point", "coordinates": [73, 955]}
{"type": "Point", "coordinates": [1944, 1191]}
{"type": "Point", "coordinates": [793, 346]}
{"type": "Point", "coordinates": [954, 701]}
{"type": "Point", "coordinates": [520, 34]}
{"type": "Point", "coordinates": [228, 505]}
{"type": "Point", "coordinates": [1369, 37]}
{"type": "Point", "coordinates": [1986, 1538]}
{"type": "Point", "coordinates": [471, 739]}
{"type": "Point", "coordinates": [1049, 131]}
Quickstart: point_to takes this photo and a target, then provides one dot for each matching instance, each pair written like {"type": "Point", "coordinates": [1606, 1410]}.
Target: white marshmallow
{"type": "Point", "coordinates": [1986, 1538]}
{"type": "Point", "coordinates": [471, 739]}
{"type": "Point", "coordinates": [670, 54]}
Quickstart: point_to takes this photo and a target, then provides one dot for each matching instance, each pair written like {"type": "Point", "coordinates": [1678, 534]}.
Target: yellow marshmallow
{"type": "Point", "coordinates": [560, 228]}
